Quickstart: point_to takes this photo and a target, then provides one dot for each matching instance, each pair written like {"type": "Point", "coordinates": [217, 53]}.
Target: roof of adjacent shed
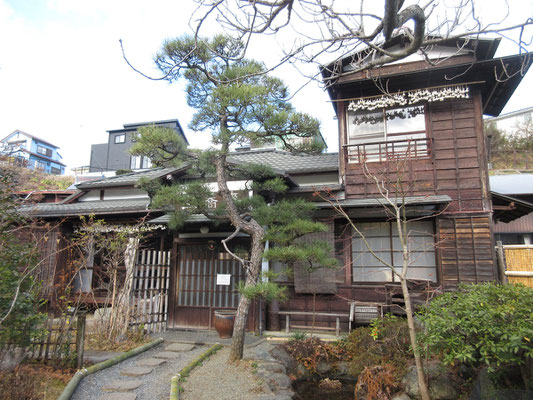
{"type": "Point", "coordinates": [517, 184]}
{"type": "Point", "coordinates": [516, 208]}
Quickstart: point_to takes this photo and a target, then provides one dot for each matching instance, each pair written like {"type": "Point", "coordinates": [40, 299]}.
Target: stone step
{"type": "Point", "coordinates": [136, 371]}
{"type": "Point", "coordinates": [118, 396]}
{"type": "Point", "coordinates": [122, 385]}
{"type": "Point", "coordinates": [180, 347]}
{"type": "Point", "coordinates": [167, 355]}
{"type": "Point", "coordinates": [151, 362]}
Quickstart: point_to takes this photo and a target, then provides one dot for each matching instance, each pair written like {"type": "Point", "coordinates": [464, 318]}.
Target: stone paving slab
{"type": "Point", "coordinates": [151, 362]}
{"type": "Point", "coordinates": [122, 386]}
{"type": "Point", "coordinates": [168, 355]}
{"type": "Point", "coordinates": [136, 371]}
{"type": "Point", "coordinates": [119, 396]}
{"type": "Point", "coordinates": [180, 347]}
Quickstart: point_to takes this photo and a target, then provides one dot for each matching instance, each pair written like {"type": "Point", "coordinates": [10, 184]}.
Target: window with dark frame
{"type": "Point", "coordinates": [44, 151]}
{"type": "Point", "coordinates": [120, 138]}
{"type": "Point", "coordinates": [380, 134]}
{"type": "Point", "coordinates": [384, 241]}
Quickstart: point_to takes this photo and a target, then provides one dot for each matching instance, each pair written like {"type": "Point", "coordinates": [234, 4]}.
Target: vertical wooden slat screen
{"type": "Point", "coordinates": [150, 290]}
{"type": "Point", "coordinates": [197, 275]}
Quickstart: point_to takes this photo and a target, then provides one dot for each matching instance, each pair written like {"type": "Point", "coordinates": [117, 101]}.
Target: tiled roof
{"type": "Point", "coordinates": [289, 162]}
{"type": "Point", "coordinates": [86, 208]}
{"type": "Point", "coordinates": [128, 179]}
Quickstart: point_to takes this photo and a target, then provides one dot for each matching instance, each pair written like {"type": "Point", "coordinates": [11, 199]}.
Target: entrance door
{"type": "Point", "coordinates": [196, 294]}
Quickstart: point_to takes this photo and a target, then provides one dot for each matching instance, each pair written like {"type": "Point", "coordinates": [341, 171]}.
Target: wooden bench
{"type": "Point", "coordinates": [337, 316]}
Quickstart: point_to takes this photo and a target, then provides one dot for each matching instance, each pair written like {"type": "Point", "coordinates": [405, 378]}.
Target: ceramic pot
{"type": "Point", "coordinates": [224, 320]}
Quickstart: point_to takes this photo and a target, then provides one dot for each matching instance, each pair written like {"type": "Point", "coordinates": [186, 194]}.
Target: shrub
{"type": "Point", "coordinates": [376, 383]}
{"type": "Point", "coordinates": [310, 352]}
{"type": "Point", "coordinates": [484, 324]}
{"type": "Point", "coordinates": [386, 340]}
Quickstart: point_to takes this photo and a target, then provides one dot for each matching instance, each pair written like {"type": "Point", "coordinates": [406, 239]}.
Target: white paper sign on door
{"type": "Point", "coordinates": [223, 279]}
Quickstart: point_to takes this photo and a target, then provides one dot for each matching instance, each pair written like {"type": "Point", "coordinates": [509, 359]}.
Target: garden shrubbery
{"type": "Point", "coordinates": [312, 351]}
{"type": "Point", "coordinates": [384, 341]}
{"type": "Point", "coordinates": [482, 325]}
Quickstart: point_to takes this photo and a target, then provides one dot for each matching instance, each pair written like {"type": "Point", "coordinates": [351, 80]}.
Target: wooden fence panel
{"type": "Point", "coordinates": [63, 340]}
{"type": "Point", "coordinates": [519, 264]}
{"type": "Point", "coordinates": [150, 290]}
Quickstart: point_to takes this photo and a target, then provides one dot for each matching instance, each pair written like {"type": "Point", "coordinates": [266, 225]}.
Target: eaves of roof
{"type": "Point", "coordinates": [44, 210]}
{"type": "Point", "coordinates": [516, 208]}
{"type": "Point", "coordinates": [131, 178]}
{"type": "Point", "coordinates": [381, 202]}
{"type": "Point", "coordinates": [44, 157]}
{"type": "Point", "coordinates": [496, 79]}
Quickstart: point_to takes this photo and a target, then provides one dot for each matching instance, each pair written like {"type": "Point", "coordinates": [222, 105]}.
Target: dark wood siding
{"type": "Point", "coordinates": [465, 246]}
{"type": "Point", "coordinates": [455, 165]}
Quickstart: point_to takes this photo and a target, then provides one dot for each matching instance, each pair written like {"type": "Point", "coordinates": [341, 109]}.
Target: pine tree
{"type": "Point", "coordinates": [238, 103]}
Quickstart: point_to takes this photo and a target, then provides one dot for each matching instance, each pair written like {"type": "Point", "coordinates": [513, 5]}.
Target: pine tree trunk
{"type": "Point", "coordinates": [252, 268]}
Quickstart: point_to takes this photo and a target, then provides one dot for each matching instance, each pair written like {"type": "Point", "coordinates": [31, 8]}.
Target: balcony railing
{"type": "Point", "coordinates": [388, 151]}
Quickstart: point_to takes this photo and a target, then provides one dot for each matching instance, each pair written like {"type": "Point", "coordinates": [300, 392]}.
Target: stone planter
{"type": "Point", "coordinates": [224, 320]}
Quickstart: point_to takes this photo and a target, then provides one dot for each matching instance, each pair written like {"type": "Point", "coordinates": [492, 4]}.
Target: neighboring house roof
{"type": "Point", "coordinates": [32, 136]}
{"type": "Point", "coordinates": [86, 208]}
{"type": "Point", "coordinates": [512, 114]}
{"type": "Point", "coordinates": [517, 184]}
{"type": "Point", "coordinates": [288, 162]}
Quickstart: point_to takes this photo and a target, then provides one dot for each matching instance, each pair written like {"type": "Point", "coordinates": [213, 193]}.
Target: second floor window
{"type": "Point", "coordinates": [120, 138]}
{"type": "Point", "coordinates": [378, 135]}
{"type": "Point", "coordinates": [44, 151]}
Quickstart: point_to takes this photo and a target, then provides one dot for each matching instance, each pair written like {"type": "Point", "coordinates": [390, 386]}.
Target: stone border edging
{"type": "Point", "coordinates": [75, 380]}
{"type": "Point", "coordinates": [184, 372]}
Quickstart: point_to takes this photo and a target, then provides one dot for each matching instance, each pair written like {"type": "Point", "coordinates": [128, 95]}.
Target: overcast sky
{"type": "Point", "coordinates": [63, 78]}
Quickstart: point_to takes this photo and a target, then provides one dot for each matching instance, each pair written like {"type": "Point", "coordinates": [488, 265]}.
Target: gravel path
{"type": "Point", "coordinates": [155, 386]}
{"type": "Point", "coordinates": [216, 379]}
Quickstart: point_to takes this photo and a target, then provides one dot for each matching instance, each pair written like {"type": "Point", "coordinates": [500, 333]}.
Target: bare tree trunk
{"type": "Point", "coordinates": [412, 336]}
{"type": "Point", "coordinates": [125, 296]}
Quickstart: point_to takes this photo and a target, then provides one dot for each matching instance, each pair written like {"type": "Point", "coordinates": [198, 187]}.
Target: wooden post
{"type": "Point", "coordinates": [501, 262]}
{"type": "Point", "coordinates": [80, 339]}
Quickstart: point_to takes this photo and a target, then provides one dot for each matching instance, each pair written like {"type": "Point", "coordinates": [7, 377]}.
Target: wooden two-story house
{"type": "Point", "coordinates": [416, 126]}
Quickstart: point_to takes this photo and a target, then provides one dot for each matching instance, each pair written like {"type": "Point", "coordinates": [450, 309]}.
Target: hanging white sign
{"type": "Point", "coordinates": [223, 279]}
